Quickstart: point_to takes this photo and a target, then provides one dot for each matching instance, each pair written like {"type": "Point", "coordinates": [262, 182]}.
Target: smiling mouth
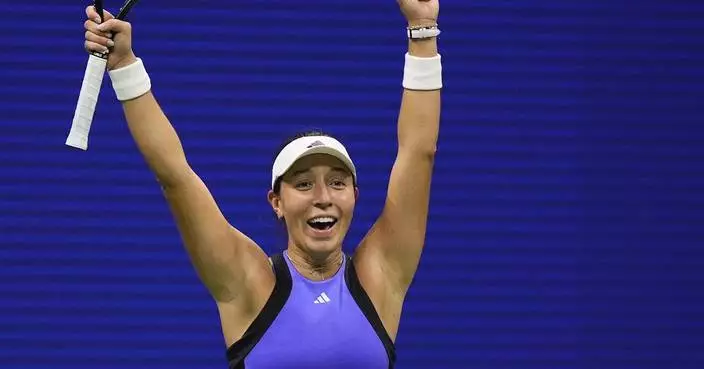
{"type": "Point", "coordinates": [322, 223]}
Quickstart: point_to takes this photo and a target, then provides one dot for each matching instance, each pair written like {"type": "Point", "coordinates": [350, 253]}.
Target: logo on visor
{"type": "Point", "coordinates": [314, 144]}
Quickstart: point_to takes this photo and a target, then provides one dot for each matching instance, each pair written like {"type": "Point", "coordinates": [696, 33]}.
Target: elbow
{"type": "Point", "coordinates": [430, 151]}
{"type": "Point", "coordinates": [174, 176]}
{"type": "Point", "coordinates": [423, 151]}
{"type": "Point", "coordinates": [421, 143]}
{"type": "Point", "coordinates": [427, 154]}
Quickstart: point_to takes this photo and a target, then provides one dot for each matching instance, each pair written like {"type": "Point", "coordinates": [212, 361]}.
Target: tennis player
{"type": "Point", "coordinates": [311, 306]}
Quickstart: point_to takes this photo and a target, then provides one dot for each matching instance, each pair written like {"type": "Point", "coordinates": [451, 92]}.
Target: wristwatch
{"type": "Point", "coordinates": [422, 32]}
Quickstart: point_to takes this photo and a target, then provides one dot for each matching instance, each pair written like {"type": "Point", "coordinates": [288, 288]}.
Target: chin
{"type": "Point", "coordinates": [320, 247]}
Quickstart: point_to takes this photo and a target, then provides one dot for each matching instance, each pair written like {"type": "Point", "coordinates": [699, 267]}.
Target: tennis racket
{"type": "Point", "coordinates": [90, 88]}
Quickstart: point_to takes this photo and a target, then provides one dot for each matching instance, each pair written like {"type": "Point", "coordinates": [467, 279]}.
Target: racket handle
{"type": "Point", "coordinates": [87, 100]}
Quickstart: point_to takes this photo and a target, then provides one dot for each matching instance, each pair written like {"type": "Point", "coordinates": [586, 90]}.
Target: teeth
{"type": "Point", "coordinates": [322, 220]}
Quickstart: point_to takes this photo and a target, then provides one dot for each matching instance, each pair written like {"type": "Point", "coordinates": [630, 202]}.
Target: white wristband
{"type": "Point", "coordinates": [131, 81]}
{"type": "Point", "coordinates": [423, 74]}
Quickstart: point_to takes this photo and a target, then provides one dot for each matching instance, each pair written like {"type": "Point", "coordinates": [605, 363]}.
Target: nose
{"type": "Point", "coordinates": [322, 196]}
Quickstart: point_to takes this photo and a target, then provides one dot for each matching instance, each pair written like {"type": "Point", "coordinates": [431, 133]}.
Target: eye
{"type": "Point", "coordinates": [303, 185]}
{"type": "Point", "coordinates": [338, 183]}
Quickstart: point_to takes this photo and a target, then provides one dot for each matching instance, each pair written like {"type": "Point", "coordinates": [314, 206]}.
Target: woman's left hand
{"type": "Point", "coordinates": [420, 12]}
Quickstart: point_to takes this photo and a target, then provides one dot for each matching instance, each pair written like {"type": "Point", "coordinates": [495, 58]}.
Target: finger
{"type": "Point", "coordinates": [114, 26]}
{"type": "Point", "coordinates": [93, 15]}
{"type": "Point", "coordinates": [104, 41]}
{"type": "Point", "coordinates": [94, 47]}
{"type": "Point", "coordinates": [92, 27]}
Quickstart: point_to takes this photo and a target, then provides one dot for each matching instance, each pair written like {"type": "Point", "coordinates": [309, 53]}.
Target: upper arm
{"type": "Point", "coordinates": [397, 237]}
{"type": "Point", "coordinates": [225, 259]}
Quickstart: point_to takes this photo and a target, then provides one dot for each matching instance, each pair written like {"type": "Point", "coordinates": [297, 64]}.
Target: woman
{"type": "Point", "coordinates": [312, 305]}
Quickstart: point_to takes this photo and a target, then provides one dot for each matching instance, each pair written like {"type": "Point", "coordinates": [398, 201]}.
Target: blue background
{"type": "Point", "coordinates": [567, 213]}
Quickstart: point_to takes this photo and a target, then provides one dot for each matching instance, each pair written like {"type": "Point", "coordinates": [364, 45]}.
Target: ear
{"type": "Point", "coordinates": [275, 201]}
{"type": "Point", "coordinates": [356, 193]}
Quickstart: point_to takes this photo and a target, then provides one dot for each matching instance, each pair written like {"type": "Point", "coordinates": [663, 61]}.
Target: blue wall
{"type": "Point", "coordinates": [567, 214]}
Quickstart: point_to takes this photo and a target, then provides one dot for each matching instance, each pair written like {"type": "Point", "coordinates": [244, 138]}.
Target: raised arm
{"type": "Point", "coordinates": [395, 242]}
{"type": "Point", "coordinates": [224, 258]}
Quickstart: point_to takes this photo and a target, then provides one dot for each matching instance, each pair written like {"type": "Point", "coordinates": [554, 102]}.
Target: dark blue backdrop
{"type": "Point", "coordinates": [567, 214]}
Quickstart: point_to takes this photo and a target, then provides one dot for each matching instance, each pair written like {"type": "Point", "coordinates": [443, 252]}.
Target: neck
{"type": "Point", "coordinates": [315, 267]}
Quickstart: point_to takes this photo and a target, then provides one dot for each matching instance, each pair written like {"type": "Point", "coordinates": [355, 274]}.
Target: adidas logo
{"type": "Point", "coordinates": [322, 299]}
{"type": "Point", "coordinates": [314, 144]}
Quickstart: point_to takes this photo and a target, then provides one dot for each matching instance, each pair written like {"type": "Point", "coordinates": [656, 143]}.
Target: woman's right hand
{"type": "Point", "coordinates": [113, 36]}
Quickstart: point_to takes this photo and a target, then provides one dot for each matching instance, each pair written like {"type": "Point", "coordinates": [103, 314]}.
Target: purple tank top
{"type": "Point", "coordinates": [314, 324]}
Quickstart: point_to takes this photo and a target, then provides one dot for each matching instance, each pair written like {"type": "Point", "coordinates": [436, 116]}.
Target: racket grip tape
{"type": "Point", "coordinates": [87, 100]}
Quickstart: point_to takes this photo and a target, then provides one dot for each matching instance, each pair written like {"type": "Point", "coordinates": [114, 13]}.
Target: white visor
{"type": "Point", "coordinates": [305, 146]}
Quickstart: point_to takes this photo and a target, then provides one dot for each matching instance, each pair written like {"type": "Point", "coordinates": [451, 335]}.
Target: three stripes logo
{"type": "Point", "coordinates": [314, 144]}
{"type": "Point", "coordinates": [322, 299]}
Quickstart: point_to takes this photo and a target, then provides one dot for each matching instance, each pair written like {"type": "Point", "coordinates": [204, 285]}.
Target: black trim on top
{"type": "Point", "coordinates": [365, 304]}
{"type": "Point", "coordinates": [282, 290]}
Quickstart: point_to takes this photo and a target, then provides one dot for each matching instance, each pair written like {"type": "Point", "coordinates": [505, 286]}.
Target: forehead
{"type": "Point", "coordinates": [324, 161]}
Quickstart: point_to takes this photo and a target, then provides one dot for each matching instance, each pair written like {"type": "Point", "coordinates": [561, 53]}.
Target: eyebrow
{"type": "Point", "coordinates": [296, 173]}
{"type": "Point", "coordinates": [334, 169]}
{"type": "Point", "coordinates": [340, 169]}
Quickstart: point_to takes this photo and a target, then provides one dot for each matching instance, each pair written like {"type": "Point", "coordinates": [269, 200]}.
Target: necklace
{"type": "Point", "coordinates": [314, 271]}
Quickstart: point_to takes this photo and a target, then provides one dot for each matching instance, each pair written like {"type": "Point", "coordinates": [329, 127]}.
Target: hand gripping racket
{"type": "Point", "coordinates": [90, 88]}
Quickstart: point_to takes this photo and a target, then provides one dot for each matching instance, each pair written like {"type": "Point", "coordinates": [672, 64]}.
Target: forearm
{"type": "Point", "coordinates": [419, 118]}
{"type": "Point", "coordinates": [156, 139]}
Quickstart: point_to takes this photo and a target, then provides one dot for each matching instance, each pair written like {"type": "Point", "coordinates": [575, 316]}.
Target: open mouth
{"type": "Point", "coordinates": [322, 223]}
